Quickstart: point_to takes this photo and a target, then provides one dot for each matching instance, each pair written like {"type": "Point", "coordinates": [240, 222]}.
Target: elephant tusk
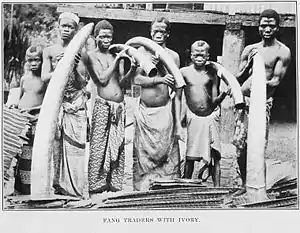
{"type": "Point", "coordinates": [141, 59]}
{"type": "Point", "coordinates": [41, 167]}
{"type": "Point", "coordinates": [230, 80]}
{"type": "Point", "coordinates": [256, 171]}
{"type": "Point", "coordinates": [163, 55]}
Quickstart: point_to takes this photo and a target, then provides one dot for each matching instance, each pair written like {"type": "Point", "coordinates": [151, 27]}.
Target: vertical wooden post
{"type": "Point", "coordinates": [233, 45]}
{"type": "Point", "coordinates": [149, 6]}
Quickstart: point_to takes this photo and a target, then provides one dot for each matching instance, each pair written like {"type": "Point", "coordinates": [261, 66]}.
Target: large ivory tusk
{"type": "Point", "coordinates": [163, 55]}
{"type": "Point", "coordinates": [142, 60]}
{"type": "Point", "coordinates": [41, 168]}
{"type": "Point", "coordinates": [230, 80]}
{"type": "Point", "coordinates": [256, 171]}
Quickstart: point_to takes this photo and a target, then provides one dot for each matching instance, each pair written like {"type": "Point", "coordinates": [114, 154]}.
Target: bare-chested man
{"type": "Point", "coordinates": [70, 140]}
{"type": "Point", "coordinates": [277, 57]}
{"type": "Point", "coordinates": [106, 162]}
{"type": "Point", "coordinates": [156, 153]}
{"type": "Point", "coordinates": [202, 113]}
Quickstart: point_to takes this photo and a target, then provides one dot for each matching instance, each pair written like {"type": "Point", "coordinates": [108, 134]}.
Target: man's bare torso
{"type": "Point", "coordinates": [271, 55]}
{"type": "Point", "coordinates": [54, 51]}
{"type": "Point", "coordinates": [198, 89]}
{"type": "Point", "coordinates": [111, 91]}
{"type": "Point", "coordinates": [158, 95]}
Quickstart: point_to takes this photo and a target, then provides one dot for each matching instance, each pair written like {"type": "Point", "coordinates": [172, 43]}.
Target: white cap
{"type": "Point", "coordinates": [69, 15]}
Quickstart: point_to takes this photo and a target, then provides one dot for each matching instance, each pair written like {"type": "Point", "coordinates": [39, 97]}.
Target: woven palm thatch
{"type": "Point", "coordinates": [15, 128]}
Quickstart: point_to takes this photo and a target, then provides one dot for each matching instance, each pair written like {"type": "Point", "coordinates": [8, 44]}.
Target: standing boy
{"type": "Point", "coordinates": [202, 112]}
{"type": "Point", "coordinates": [32, 91]}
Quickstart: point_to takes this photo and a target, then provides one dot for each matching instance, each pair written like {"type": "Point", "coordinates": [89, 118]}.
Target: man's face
{"type": "Point", "coordinates": [104, 38]}
{"type": "Point", "coordinates": [159, 33]}
{"type": "Point", "coordinates": [67, 29]}
{"type": "Point", "coordinates": [267, 28]}
{"type": "Point", "coordinates": [34, 61]}
{"type": "Point", "coordinates": [199, 56]}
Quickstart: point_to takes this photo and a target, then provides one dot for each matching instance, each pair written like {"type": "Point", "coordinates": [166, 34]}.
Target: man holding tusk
{"type": "Point", "coordinates": [70, 138]}
{"type": "Point", "coordinates": [155, 147]}
{"type": "Point", "coordinates": [277, 57]}
{"type": "Point", "coordinates": [202, 113]}
{"type": "Point", "coordinates": [107, 155]}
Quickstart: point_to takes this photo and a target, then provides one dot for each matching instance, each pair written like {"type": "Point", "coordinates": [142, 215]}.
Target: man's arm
{"type": "Point", "coordinates": [99, 76]}
{"type": "Point", "coordinates": [144, 81]}
{"type": "Point", "coordinates": [244, 66]}
{"type": "Point", "coordinates": [81, 75]}
{"type": "Point", "coordinates": [46, 66]}
{"type": "Point", "coordinates": [216, 101]}
{"type": "Point", "coordinates": [21, 87]}
{"type": "Point", "coordinates": [280, 69]}
{"type": "Point", "coordinates": [80, 71]}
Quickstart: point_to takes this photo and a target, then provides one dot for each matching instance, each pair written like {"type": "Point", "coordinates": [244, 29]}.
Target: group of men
{"type": "Point", "coordinates": [159, 117]}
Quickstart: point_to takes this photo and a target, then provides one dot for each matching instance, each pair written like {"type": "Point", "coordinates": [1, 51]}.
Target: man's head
{"type": "Point", "coordinates": [33, 58]}
{"type": "Point", "coordinates": [268, 24]}
{"type": "Point", "coordinates": [103, 33]}
{"type": "Point", "coordinates": [68, 23]}
{"type": "Point", "coordinates": [160, 30]}
{"type": "Point", "coordinates": [199, 53]}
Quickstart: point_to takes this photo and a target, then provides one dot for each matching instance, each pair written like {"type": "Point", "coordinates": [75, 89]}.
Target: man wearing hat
{"type": "Point", "coordinates": [70, 138]}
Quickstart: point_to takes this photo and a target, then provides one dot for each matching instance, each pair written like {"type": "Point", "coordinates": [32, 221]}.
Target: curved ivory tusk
{"type": "Point", "coordinates": [41, 168]}
{"type": "Point", "coordinates": [142, 60]}
{"type": "Point", "coordinates": [230, 80]}
{"type": "Point", "coordinates": [163, 55]}
{"type": "Point", "coordinates": [256, 176]}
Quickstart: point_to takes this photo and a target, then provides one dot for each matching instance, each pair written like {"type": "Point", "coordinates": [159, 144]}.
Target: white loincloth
{"type": "Point", "coordinates": [203, 133]}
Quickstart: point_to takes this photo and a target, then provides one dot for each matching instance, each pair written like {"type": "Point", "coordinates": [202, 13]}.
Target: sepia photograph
{"type": "Point", "coordinates": [149, 106]}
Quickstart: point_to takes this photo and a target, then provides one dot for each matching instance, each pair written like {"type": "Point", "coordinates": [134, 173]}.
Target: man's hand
{"type": "Point", "coordinates": [252, 53]}
{"type": "Point", "coordinates": [122, 53]}
{"type": "Point", "coordinates": [155, 59]}
{"type": "Point", "coordinates": [228, 91]}
{"type": "Point", "coordinates": [168, 80]}
{"type": "Point", "coordinates": [77, 59]}
{"type": "Point", "coordinates": [59, 56]}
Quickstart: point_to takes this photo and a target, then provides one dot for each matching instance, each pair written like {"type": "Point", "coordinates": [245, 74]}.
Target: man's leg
{"type": "Point", "coordinates": [188, 169]}
{"type": "Point", "coordinates": [242, 162]}
{"type": "Point", "coordinates": [216, 168]}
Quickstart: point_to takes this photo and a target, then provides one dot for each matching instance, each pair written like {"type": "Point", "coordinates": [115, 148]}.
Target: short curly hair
{"type": "Point", "coordinates": [34, 49]}
{"type": "Point", "coordinates": [103, 24]}
{"type": "Point", "coordinates": [270, 13]}
{"type": "Point", "coordinates": [201, 44]}
{"type": "Point", "coordinates": [162, 19]}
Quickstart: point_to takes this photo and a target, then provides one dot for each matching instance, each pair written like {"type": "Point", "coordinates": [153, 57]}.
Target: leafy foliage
{"type": "Point", "coordinates": [25, 25]}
